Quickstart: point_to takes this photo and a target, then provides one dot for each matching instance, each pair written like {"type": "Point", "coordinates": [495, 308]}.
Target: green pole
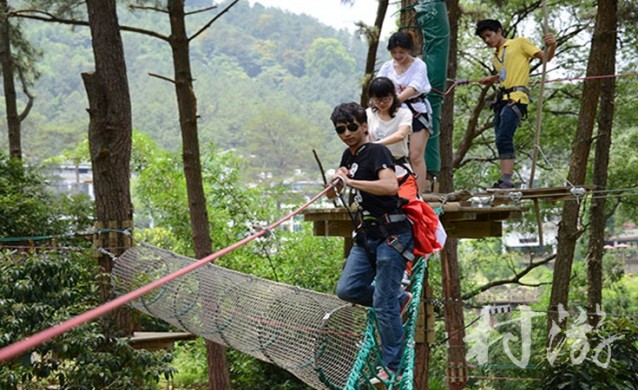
{"type": "Point", "coordinates": [433, 21]}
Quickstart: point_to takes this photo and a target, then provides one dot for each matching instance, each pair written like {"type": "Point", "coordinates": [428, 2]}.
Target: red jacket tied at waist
{"type": "Point", "coordinates": [429, 235]}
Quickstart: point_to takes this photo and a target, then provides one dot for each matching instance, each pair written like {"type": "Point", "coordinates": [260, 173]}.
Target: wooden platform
{"type": "Point", "coordinates": [460, 219]}
{"type": "Point", "coordinates": [154, 341]}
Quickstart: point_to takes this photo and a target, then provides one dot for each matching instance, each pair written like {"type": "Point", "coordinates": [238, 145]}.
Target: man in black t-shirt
{"type": "Point", "coordinates": [384, 236]}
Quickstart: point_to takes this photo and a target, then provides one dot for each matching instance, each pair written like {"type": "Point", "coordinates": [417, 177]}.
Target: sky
{"type": "Point", "coordinates": [336, 14]}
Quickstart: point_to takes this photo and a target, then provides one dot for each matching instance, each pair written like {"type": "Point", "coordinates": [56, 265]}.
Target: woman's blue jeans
{"type": "Point", "coordinates": [384, 265]}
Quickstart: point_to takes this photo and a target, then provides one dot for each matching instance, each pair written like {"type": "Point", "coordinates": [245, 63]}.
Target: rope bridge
{"type": "Point", "coordinates": [326, 342]}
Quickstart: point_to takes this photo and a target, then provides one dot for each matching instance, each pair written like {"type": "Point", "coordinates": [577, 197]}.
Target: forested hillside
{"type": "Point", "coordinates": [266, 81]}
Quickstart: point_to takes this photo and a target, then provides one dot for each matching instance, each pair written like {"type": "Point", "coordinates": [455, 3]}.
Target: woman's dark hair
{"type": "Point", "coordinates": [488, 24]}
{"type": "Point", "coordinates": [381, 87]}
{"type": "Point", "coordinates": [402, 39]}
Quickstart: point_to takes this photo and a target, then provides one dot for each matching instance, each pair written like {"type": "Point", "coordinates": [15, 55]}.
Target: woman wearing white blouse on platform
{"type": "Point", "coordinates": [410, 77]}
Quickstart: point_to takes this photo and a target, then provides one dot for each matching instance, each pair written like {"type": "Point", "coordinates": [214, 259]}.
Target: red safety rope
{"type": "Point", "coordinates": [23, 346]}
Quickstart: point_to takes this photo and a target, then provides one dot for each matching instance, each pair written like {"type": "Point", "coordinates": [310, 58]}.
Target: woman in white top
{"type": "Point", "coordinates": [410, 77]}
{"type": "Point", "coordinates": [391, 125]}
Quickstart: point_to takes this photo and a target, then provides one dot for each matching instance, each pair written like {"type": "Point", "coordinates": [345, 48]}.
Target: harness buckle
{"type": "Point", "coordinates": [394, 242]}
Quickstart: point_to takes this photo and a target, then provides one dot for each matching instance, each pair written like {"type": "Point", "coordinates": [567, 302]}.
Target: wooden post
{"type": "Point", "coordinates": [454, 320]}
{"type": "Point", "coordinates": [112, 241]}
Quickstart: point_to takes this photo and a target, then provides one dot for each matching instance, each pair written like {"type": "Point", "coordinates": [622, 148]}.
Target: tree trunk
{"type": "Point", "coordinates": [447, 111]}
{"type": "Point", "coordinates": [601, 163]}
{"type": "Point", "coordinates": [6, 61]}
{"type": "Point", "coordinates": [568, 229]}
{"type": "Point", "coordinates": [110, 148]}
{"type": "Point", "coordinates": [455, 321]}
{"type": "Point", "coordinates": [373, 34]}
{"type": "Point", "coordinates": [218, 375]}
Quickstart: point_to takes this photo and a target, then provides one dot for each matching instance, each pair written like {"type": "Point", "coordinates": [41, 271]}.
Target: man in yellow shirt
{"type": "Point", "coordinates": [511, 61]}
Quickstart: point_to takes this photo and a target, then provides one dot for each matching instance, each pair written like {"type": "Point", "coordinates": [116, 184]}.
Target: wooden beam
{"type": "Point", "coordinates": [154, 341]}
{"type": "Point", "coordinates": [474, 229]}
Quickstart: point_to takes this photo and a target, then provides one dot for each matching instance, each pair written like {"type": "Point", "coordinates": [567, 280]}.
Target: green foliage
{"type": "Point", "coordinates": [247, 372]}
{"type": "Point", "coordinates": [191, 368]}
{"type": "Point", "coordinates": [611, 362]}
{"type": "Point", "coordinates": [327, 56]}
{"type": "Point", "coordinates": [28, 208]}
{"type": "Point", "coordinates": [623, 174]}
{"type": "Point", "coordinates": [250, 63]}
{"type": "Point", "coordinates": [113, 364]}
{"type": "Point", "coordinates": [40, 289]}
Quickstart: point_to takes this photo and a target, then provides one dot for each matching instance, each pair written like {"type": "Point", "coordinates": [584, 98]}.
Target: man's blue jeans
{"type": "Point", "coordinates": [507, 118]}
{"type": "Point", "coordinates": [384, 265]}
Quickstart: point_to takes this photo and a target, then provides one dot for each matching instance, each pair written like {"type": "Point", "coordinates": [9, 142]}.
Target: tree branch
{"type": "Point", "coordinates": [201, 10]}
{"type": "Point", "coordinates": [514, 279]}
{"type": "Point", "coordinates": [48, 17]}
{"type": "Point", "coordinates": [535, 284]}
{"type": "Point", "coordinates": [201, 30]}
{"type": "Point", "coordinates": [162, 77]}
{"type": "Point", "coordinates": [30, 98]}
{"type": "Point", "coordinates": [146, 8]}
{"type": "Point", "coordinates": [471, 130]}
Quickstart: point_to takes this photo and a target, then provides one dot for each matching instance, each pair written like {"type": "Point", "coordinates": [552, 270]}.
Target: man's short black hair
{"type": "Point", "coordinates": [488, 24]}
{"type": "Point", "coordinates": [349, 113]}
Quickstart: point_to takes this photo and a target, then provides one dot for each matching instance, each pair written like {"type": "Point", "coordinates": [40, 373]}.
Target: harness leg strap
{"type": "Point", "coordinates": [393, 241]}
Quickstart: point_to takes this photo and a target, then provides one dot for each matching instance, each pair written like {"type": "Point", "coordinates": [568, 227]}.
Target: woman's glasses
{"type": "Point", "coordinates": [382, 100]}
{"type": "Point", "coordinates": [350, 126]}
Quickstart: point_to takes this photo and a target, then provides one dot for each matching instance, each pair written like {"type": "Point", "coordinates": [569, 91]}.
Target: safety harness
{"type": "Point", "coordinates": [503, 98]}
{"type": "Point", "coordinates": [422, 117]}
{"type": "Point", "coordinates": [386, 227]}
{"type": "Point", "coordinates": [504, 93]}
{"type": "Point", "coordinates": [403, 163]}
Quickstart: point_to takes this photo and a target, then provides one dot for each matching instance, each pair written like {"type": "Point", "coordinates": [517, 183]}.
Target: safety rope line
{"type": "Point", "coordinates": [537, 133]}
{"type": "Point", "coordinates": [539, 115]}
{"type": "Point", "coordinates": [126, 231]}
{"type": "Point", "coordinates": [44, 247]}
{"type": "Point", "coordinates": [24, 345]}
{"type": "Point", "coordinates": [503, 378]}
{"type": "Point", "coordinates": [578, 193]}
{"type": "Point", "coordinates": [456, 83]}
{"type": "Point", "coordinates": [593, 194]}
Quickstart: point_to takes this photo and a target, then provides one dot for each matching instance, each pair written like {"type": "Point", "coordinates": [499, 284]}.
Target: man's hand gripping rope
{"type": "Point", "coordinates": [337, 182]}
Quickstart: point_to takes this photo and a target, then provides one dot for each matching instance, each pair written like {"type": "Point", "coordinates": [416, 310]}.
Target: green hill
{"type": "Point", "coordinates": [266, 81]}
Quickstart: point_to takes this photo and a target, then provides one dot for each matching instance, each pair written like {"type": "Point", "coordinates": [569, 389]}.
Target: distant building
{"type": "Point", "coordinates": [71, 179]}
{"type": "Point", "coordinates": [530, 242]}
{"type": "Point", "coordinates": [625, 245]}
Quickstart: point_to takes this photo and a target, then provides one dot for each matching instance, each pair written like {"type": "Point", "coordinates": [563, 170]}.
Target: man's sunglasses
{"type": "Point", "coordinates": [352, 127]}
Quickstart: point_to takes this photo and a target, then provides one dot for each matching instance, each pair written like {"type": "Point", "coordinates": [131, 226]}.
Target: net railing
{"type": "Point", "coordinates": [314, 336]}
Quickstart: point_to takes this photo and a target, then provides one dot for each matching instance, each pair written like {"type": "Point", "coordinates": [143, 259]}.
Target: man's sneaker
{"type": "Point", "coordinates": [405, 304]}
{"type": "Point", "coordinates": [500, 184]}
{"type": "Point", "coordinates": [405, 281]}
{"type": "Point", "coordinates": [383, 376]}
